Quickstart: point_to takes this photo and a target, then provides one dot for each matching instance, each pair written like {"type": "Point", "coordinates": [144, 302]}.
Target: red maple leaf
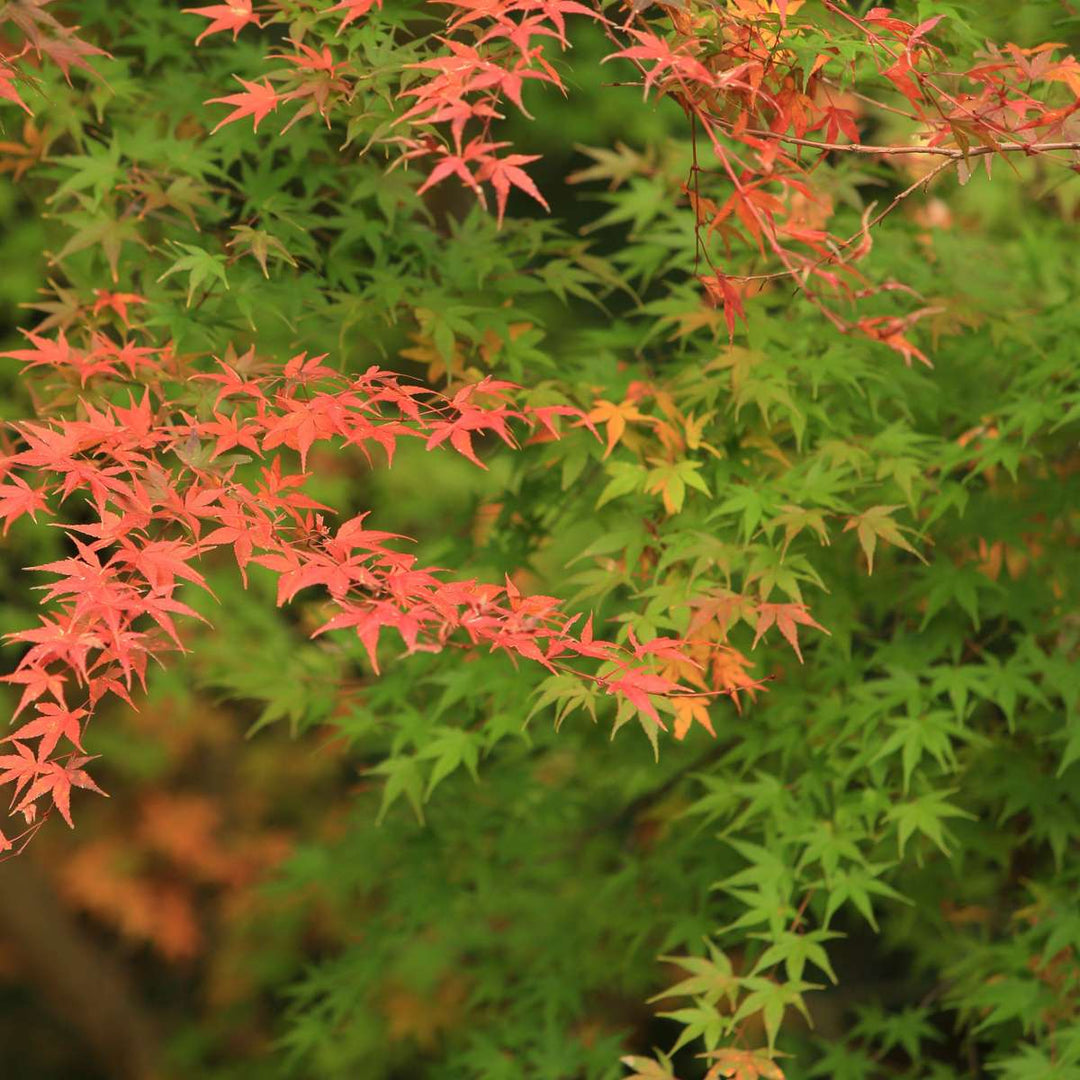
{"type": "Point", "coordinates": [504, 173]}
{"type": "Point", "coordinates": [37, 681]}
{"type": "Point", "coordinates": [20, 768]}
{"type": "Point", "coordinates": [787, 618]}
{"type": "Point", "coordinates": [8, 91]}
{"type": "Point", "coordinates": [354, 9]}
{"type": "Point", "coordinates": [234, 16]}
{"type": "Point", "coordinates": [18, 498]}
{"type": "Point", "coordinates": [57, 780]}
{"type": "Point", "coordinates": [637, 684]}
{"type": "Point", "coordinates": [723, 294]}
{"type": "Point", "coordinates": [53, 722]}
{"type": "Point", "coordinates": [117, 301]}
{"type": "Point", "coordinates": [256, 101]}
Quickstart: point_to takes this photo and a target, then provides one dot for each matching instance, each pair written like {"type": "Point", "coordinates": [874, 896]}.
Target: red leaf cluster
{"type": "Point", "coordinates": [162, 490]}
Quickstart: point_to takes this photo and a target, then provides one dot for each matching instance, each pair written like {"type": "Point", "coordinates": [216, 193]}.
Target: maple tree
{"type": "Point", "coordinates": [774, 457]}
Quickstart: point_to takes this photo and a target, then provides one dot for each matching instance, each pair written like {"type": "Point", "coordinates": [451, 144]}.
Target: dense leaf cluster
{"type": "Point", "coordinates": [765, 439]}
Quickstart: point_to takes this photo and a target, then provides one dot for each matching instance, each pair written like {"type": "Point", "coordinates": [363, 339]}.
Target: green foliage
{"type": "Point", "coordinates": [867, 866]}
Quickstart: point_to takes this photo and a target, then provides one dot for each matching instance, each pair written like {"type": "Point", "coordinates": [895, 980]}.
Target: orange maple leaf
{"type": "Point", "coordinates": [729, 674]}
{"type": "Point", "coordinates": [615, 416]}
{"type": "Point", "coordinates": [687, 710]}
{"type": "Point", "coordinates": [743, 1065]}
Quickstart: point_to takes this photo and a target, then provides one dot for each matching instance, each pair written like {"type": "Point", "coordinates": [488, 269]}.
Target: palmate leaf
{"type": "Point", "coordinates": [877, 524]}
{"type": "Point", "coordinates": [95, 230]}
{"type": "Point", "coordinates": [1033, 1063]}
{"type": "Point", "coordinates": [257, 101]}
{"type": "Point", "coordinates": [403, 779]}
{"type": "Point", "coordinates": [700, 1021]}
{"type": "Point", "coordinates": [730, 222]}
{"type": "Point", "coordinates": [932, 733]}
{"type": "Point", "coordinates": [743, 1065]}
{"type": "Point", "coordinates": [856, 885]}
{"type": "Point", "coordinates": [200, 266]}
{"type": "Point", "coordinates": [772, 1000]}
{"type": "Point", "coordinates": [926, 814]}
{"type": "Point", "coordinates": [449, 749]}
{"type": "Point", "coordinates": [793, 950]}
{"type": "Point", "coordinates": [711, 978]}
{"type": "Point", "coordinates": [649, 1068]}
{"type": "Point", "coordinates": [234, 16]}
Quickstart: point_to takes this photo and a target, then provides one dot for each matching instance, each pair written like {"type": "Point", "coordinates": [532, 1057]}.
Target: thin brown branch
{"type": "Point", "coordinates": [955, 153]}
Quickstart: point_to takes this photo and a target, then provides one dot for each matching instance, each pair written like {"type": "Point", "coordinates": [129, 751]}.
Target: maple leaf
{"type": "Point", "coordinates": [233, 16]}
{"type": "Point", "coordinates": [636, 684]}
{"type": "Point", "coordinates": [233, 382]}
{"type": "Point", "coordinates": [160, 562]}
{"type": "Point", "coordinates": [116, 301]}
{"type": "Point", "coordinates": [354, 9]}
{"type": "Point", "coordinates": [25, 155]}
{"type": "Point", "coordinates": [647, 1069]}
{"type": "Point", "coordinates": [877, 523]}
{"type": "Point", "coordinates": [742, 1065]}
{"type": "Point", "coordinates": [787, 618]}
{"type": "Point", "coordinates": [108, 233]}
{"type": "Point", "coordinates": [8, 92]}
{"type": "Point", "coordinates": [261, 245]}
{"type": "Point", "coordinates": [257, 101]}
{"type": "Point", "coordinates": [20, 767]}
{"type": "Point", "coordinates": [57, 780]}
{"type": "Point", "coordinates": [504, 173]}
{"type": "Point", "coordinates": [670, 481]}
{"type": "Point", "coordinates": [615, 416]}
{"type": "Point", "coordinates": [729, 674]}
{"type": "Point", "coordinates": [682, 66]}
{"type": "Point", "coordinates": [53, 722]}
{"type": "Point", "coordinates": [890, 330]}
{"type": "Point", "coordinates": [18, 498]}
{"type": "Point", "coordinates": [37, 681]}
{"type": "Point", "coordinates": [49, 37]}
{"type": "Point", "coordinates": [455, 165]}
{"type": "Point", "coordinates": [687, 710]}
{"type": "Point", "coordinates": [723, 294]}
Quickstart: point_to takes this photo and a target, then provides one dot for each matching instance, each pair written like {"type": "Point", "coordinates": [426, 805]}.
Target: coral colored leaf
{"type": "Point", "coordinates": [116, 301]}
{"type": "Point", "coordinates": [7, 88]}
{"type": "Point", "coordinates": [505, 173]}
{"type": "Point", "coordinates": [18, 498]}
{"type": "Point", "coordinates": [234, 16]}
{"type": "Point", "coordinates": [257, 101]}
{"type": "Point", "coordinates": [354, 9]}
{"type": "Point", "coordinates": [53, 722]}
{"type": "Point", "coordinates": [743, 1065]}
{"type": "Point", "coordinates": [723, 294]}
{"type": "Point", "coordinates": [57, 780]}
{"type": "Point", "coordinates": [20, 767]}
{"type": "Point", "coordinates": [787, 618]}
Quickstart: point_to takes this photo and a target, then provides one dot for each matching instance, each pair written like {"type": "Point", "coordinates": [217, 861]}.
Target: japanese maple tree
{"type": "Point", "coordinates": [775, 457]}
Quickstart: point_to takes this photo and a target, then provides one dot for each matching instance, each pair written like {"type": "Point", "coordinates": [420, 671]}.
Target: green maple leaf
{"type": "Point", "coordinates": [926, 815]}
{"type": "Point", "coordinates": [200, 266]}
{"type": "Point", "coordinates": [877, 524]}
{"type": "Point", "coordinates": [772, 1000]}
